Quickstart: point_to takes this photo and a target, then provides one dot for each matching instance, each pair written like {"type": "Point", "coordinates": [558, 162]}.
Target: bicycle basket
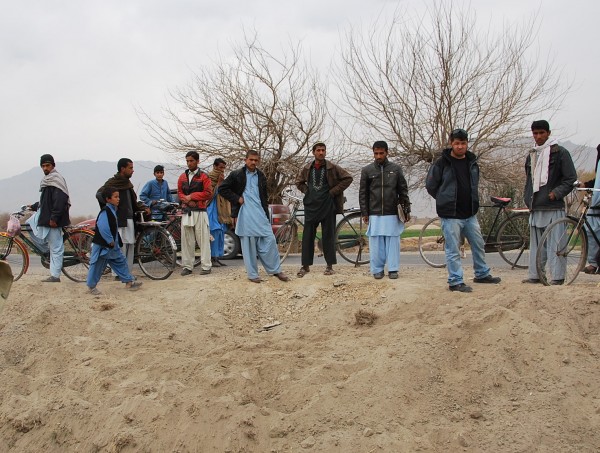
{"type": "Point", "coordinates": [14, 226]}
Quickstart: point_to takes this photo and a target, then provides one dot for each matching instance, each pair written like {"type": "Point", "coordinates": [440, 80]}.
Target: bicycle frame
{"type": "Point", "coordinates": [581, 220]}
{"type": "Point", "coordinates": [491, 240]}
{"type": "Point", "coordinates": [23, 240]}
{"type": "Point", "coordinates": [350, 242]}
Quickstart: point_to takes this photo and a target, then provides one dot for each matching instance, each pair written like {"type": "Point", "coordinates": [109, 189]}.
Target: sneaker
{"type": "Point", "coordinates": [186, 272]}
{"type": "Point", "coordinates": [51, 279]}
{"type": "Point", "coordinates": [531, 280]}
{"type": "Point", "coordinates": [203, 272]}
{"type": "Point", "coordinates": [461, 287]}
{"type": "Point", "coordinates": [558, 282]}
{"type": "Point", "coordinates": [94, 291]}
{"type": "Point", "coordinates": [378, 275]}
{"type": "Point", "coordinates": [487, 279]}
{"type": "Point", "coordinates": [134, 286]}
{"type": "Point", "coordinates": [393, 275]}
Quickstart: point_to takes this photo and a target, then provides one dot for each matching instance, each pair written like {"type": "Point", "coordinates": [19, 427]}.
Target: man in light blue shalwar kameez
{"type": "Point", "coordinates": [246, 189]}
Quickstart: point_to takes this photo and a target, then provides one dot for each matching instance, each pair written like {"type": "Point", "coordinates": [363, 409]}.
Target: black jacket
{"type": "Point", "coordinates": [114, 229]}
{"type": "Point", "coordinates": [441, 184]}
{"type": "Point", "coordinates": [54, 205]}
{"type": "Point", "coordinates": [382, 188]}
{"type": "Point", "coordinates": [561, 176]}
{"type": "Point", "coordinates": [233, 188]}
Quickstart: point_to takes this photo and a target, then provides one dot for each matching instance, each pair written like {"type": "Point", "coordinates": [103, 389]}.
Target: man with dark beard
{"type": "Point", "coordinates": [128, 205]}
{"type": "Point", "coordinates": [323, 184]}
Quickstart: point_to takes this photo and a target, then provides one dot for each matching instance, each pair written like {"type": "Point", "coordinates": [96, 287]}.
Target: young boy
{"type": "Point", "coordinates": [106, 246]}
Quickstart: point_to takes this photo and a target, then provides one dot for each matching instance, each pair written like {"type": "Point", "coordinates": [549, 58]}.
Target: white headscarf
{"type": "Point", "coordinates": [539, 164]}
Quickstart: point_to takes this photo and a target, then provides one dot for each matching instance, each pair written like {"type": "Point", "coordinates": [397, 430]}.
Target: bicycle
{"type": "Point", "coordinates": [14, 248]}
{"type": "Point", "coordinates": [510, 238]}
{"type": "Point", "coordinates": [350, 234]}
{"type": "Point", "coordinates": [155, 249]}
{"type": "Point", "coordinates": [568, 239]}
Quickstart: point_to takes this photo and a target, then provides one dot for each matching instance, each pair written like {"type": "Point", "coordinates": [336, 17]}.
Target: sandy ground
{"type": "Point", "coordinates": [181, 367]}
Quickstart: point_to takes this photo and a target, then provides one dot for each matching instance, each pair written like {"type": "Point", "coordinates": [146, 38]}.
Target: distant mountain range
{"type": "Point", "coordinates": [84, 177]}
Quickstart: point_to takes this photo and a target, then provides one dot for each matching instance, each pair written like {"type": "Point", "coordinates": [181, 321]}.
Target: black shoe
{"type": "Point", "coordinates": [378, 275]}
{"type": "Point", "coordinates": [51, 280]}
{"type": "Point", "coordinates": [186, 272]}
{"type": "Point", "coordinates": [220, 263]}
{"type": "Point", "coordinates": [487, 279]}
{"type": "Point", "coordinates": [461, 287]}
{"type": "Point", "coordinates": [531, 280]}
{"type": "Point", "coordinates": [215, 262]}
{"type": "Point", "coordinates": [204, 272]}
{"type": "Point", "coordinates": [558, 282]}
{"type": "Point", "coordinates": [393, 275]}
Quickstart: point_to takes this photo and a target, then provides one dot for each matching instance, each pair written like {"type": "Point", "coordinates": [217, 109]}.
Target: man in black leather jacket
{"type": "Point", "coordinates": [382, 188]}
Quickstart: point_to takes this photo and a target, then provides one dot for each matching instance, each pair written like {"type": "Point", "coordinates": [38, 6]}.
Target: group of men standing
{"type": "Point", "coordinates": [211, 201]}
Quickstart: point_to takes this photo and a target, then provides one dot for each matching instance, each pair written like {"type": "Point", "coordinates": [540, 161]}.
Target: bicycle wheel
{"type": "Point", "coordinates": [432, 243]}
{"type": "Point", "coordinates": [76, 259]}
{"type": "Point", "coordinates": [285, 237]}
{"type": "Point", "coordinates": [15, 254]}
{"type": "Point", "coordinates": [156, 252]}
{"type": "Point", "coordinates": [174, 228]}
{"type": "Point", "coordinates": [351, 240]}
{"type": "Point", "coordinates": [562, 252]}
{"type": "Point", "coordinates": [513, 240]}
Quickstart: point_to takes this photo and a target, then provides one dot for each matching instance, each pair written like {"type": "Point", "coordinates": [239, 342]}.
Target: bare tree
{"type": "Point", "coordinates": [414, 80]}
{"type": "Point", "coordinates": [276, 106]}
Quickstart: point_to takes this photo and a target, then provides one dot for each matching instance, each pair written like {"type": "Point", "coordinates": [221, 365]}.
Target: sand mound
{"type": "Point", "coordinates": [215, 363]}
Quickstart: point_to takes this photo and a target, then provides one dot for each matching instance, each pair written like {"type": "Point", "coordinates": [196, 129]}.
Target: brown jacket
{"type": "Point", "coordinates": [338, 180]}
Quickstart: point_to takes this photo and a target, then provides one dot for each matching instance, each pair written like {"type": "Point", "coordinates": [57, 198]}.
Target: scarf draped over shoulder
{"type": "Point", "coordinates": [223, 206]}
{"type": "Point", "coordinates": [54, 179]}
{"type": "Point", "coordinates": [119, 182]}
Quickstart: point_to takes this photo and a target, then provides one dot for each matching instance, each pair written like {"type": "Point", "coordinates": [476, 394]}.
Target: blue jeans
{"type": "Point", "coordinates": [454, 230]}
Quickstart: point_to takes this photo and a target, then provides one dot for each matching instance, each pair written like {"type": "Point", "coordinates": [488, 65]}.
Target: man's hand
{"type": "Point", "coordinates": [187, 198]}
{"type": "Point", "coordinates": [241, 201]}
{"type": "Point", "coordinates": [53, 224]}
{"type": "Point", "coordinates": [407, 215]}
{"type": "Point", "coordinates": [365, 219]}
{"type": "Point", "coordinates": [552, 196]}
{"type": "Point", "coordinates": [111, 245]}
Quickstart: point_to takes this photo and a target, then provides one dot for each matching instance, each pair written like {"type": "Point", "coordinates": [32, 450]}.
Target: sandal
{"type": "Point", "coordinates": [302, 272]}
{"type": "Point", "coordinates": [590, 269]}
{"type": "Point", "coordinates": [328, 271]}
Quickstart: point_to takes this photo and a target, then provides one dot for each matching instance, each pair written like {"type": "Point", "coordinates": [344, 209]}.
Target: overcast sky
{"type": "Point", "coordinates": [73, 72]}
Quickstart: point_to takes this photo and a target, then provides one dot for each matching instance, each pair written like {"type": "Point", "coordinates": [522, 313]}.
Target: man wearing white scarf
{"type": "Point", "coordinates": [550, 177]}
{"type": "Point", "coordinates": [52, 213]}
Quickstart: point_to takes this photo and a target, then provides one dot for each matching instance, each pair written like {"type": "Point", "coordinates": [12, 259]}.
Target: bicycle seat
{"type": "Point", "coordinates": [500, 200]}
